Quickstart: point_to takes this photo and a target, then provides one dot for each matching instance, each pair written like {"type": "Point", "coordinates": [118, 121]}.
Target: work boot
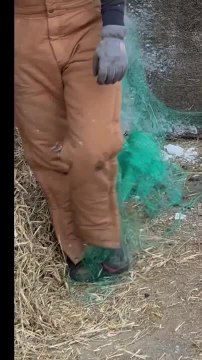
{"type": "Point", "coordinates": [81, 272]}
{"type": "Point", "coordinates": [116, 263]}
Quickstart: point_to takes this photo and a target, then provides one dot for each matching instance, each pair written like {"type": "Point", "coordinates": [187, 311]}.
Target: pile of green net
{"type": "Point", "coordinates": [145, 180]}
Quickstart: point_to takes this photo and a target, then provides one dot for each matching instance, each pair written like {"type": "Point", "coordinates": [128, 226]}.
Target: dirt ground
{"type": "Point", "coordinates": [154, 312]}
{"type": "Point", "coordinates": [160, 307]}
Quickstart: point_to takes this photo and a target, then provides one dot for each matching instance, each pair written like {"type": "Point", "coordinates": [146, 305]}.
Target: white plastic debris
{"type": "Point", "coordinates": [180, 216]}
{"type": "Point", "coordinates": [190, 154]}
{"type": "Point", "coordinates": [175, 151]}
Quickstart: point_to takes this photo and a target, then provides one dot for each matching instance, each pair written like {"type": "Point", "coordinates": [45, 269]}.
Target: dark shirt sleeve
{"type": "Point", "coordinates": [113, 12]}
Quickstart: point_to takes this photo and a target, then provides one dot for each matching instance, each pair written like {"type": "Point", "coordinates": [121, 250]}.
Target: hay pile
{"type": "Point", "coordinates": [58, 321]}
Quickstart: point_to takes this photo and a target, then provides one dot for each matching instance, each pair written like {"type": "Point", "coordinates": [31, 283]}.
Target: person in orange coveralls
{"type": "Point", "coordinates": [70, 57]}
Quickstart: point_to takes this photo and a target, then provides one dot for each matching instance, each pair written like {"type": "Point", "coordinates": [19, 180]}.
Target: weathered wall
{"type": "Point", "coordinates": [171, 34]}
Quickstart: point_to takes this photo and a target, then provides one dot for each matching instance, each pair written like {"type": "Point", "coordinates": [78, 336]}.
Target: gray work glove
{"type": "Point", "coordinates": [110, 61]}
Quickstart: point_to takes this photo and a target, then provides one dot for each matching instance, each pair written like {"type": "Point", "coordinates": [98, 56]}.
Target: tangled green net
{"type": "Point", "coordinates": [145, 178]}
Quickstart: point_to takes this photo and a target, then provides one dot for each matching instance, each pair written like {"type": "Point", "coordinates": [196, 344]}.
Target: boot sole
{"type": "Point", "coordinates": [110, 271]}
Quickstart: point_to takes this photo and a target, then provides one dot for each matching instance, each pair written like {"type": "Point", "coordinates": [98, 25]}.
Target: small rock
{"type": "Point", "coordinates": [180, 216]}
{"type": "Point", "coordinates": [195, 177]}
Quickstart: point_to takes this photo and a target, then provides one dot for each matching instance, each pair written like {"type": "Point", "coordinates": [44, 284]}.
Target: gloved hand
{"type": "Point", "coordinates": [110, 61]}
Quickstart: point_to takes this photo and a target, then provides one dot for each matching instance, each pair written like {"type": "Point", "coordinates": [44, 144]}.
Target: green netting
{"type": "Point", "coordinates": [141, 109]}
{"type": "Point", "coordinates": [146, 184]}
